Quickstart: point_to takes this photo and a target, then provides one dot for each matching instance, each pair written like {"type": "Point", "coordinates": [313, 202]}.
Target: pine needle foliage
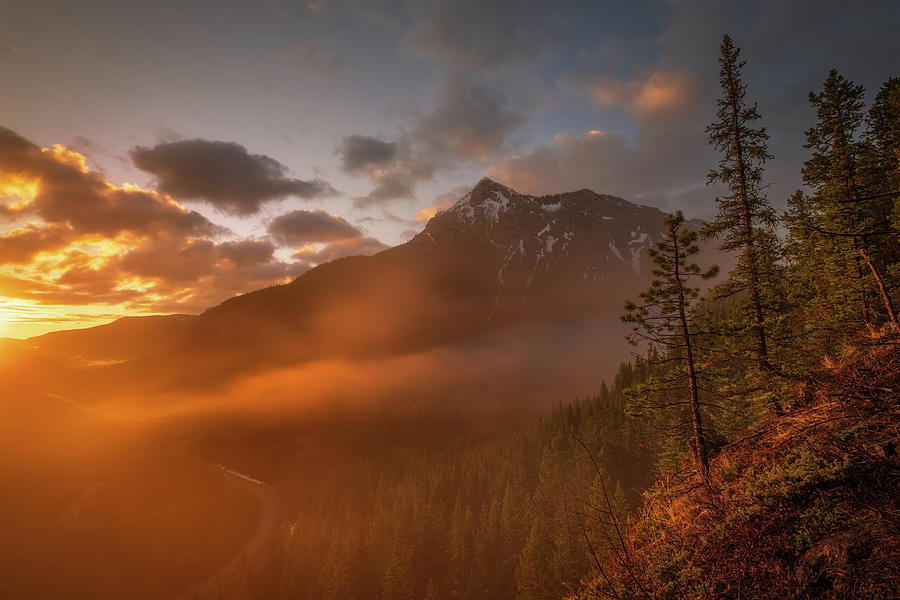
{"type": "Point", "coordinates": [663, 322]}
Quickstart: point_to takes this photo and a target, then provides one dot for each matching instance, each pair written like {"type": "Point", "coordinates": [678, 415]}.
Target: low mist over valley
{"type": "Point", "coordinates": [449, 300]}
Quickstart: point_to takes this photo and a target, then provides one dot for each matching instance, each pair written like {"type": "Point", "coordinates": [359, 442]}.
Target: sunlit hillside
{"type": "Point", "coordinates": [449, 300]}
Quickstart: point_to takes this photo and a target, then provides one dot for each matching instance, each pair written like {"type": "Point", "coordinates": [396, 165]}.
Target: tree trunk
{"type": "Point", "coordinates": [762, 352]}
{"type": "Point", "coordinates": [888, 305]}
{"type": "Point", "coordinates": [698, 437]}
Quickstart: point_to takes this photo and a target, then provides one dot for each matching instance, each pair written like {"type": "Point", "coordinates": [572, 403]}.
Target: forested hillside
{"type": "Point", "coordinates": [775, 465]}
{"type": "Point", "coordinates": [783, 381]}
{"type": "Point", "coordinates": [803, 507]}
{"type": "Point", "coordinates": [447, 509]}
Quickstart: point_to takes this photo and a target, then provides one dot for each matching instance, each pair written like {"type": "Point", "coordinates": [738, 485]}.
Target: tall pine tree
{"type": "Point", "coordinates": [663, 321]}
{"type": "Point", "coordinates": [746, 221]}
{"type": "Point", "coordinates": [836, 171]}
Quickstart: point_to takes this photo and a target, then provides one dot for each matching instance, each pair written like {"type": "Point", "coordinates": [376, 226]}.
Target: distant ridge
{"type": "Point", "coordinates": [128, 338]}
{"type": "Point", "coordinates": [495, 259]}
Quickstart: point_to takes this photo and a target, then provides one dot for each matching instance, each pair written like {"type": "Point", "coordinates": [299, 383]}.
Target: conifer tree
{"type": "Point", "coordinates": [808, 288]}
{"type": "Point", "coordinates": [883, 135]}
{"type": "Point", "coordinates": [883, 131]}
{"type": "Point", "coordinates": [836, 172]}
{"type": "Point", "coordinates": [746, 220]}
{"type": "Point", "coordinates": [663, 321]}
{"type": "Point", "coordinates": [532, 579]}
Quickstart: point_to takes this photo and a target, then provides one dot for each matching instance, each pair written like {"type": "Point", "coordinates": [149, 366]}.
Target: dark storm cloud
{"type": "Point", "coordinates": [361, 152]}
{"type": "Point", "coordinates": [69, 194]}
{"type": "Point", "coordinates": [223, 174]}
{"type": "Point", "coordinates": [302, 227]}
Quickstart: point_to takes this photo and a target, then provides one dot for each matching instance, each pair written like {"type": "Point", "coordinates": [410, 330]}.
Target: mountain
{"type": "Point", "coordinates": [56, 360]}
{"type": "Point", "coordinates": [128, 338]}
{"type": "Point", "coordinates": [495, 258]}
{"type": "Point", "coordinates": [496, 261]}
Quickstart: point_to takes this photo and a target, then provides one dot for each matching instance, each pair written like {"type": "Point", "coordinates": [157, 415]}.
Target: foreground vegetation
{"type": "Point", "coordinates": [805, 507]}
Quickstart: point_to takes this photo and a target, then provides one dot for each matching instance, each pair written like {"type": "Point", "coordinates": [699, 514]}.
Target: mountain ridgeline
{"type": "Point", "coordinates": [496, 258]}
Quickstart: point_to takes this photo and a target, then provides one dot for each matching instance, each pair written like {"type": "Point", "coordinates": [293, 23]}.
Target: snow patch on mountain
{"type": "Point", "coordinates": [615, 250]}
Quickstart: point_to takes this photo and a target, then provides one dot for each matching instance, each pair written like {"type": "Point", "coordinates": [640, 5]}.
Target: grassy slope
{"type": "Point", "coordinates": [808, 507]}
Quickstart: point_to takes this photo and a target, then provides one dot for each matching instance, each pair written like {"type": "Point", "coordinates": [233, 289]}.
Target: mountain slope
{"type": "Point", "coordinates": [805, 508]}
{"type": "Point", "coordinates": [127, 338]}
{"type": "Point", "coordinates": [495, 258]}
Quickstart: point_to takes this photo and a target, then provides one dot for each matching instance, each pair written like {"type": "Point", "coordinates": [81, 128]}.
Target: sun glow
{"type": "Point", "coordinates": [21, 318]}
{"type": "Point", "coordinates": [17, 192]}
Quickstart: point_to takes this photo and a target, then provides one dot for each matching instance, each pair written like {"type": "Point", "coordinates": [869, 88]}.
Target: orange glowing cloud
{"type": "Point", "coordinates": [78, 249]}
{"type": "Point", "coordinates": [425, 215]}
{"type": "Point", "coordinates": [661, 91]}
{"type": "Point", "coordinates": [67, 156]}
{"type": "Point", "coordinates": [16, 191]}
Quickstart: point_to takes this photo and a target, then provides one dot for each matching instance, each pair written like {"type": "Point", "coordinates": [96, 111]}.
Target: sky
{"type": "Point", "coordinates": [162, 156]}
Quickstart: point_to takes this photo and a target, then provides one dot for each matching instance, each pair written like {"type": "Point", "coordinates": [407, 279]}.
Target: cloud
{"type": "Point", "coordinates": [222, 174]}
{"type": "Point", "coordinates": [471, 122]}
{"type": "Point", "coordinates": [660, 91]}
{"type": "Point", "coordinates": [470, 125]}
{"type": "Point", "coordinates": [360, 153]}
{"type": "Point", "coordinates": [442, 202]}
{"type": "Point", "coordinates": [21, 245]}
{"type": "Point", "coordinates": [339, 249]}
{"type": "Point", "coordinates": [658, 167]}
{"type": "Point", "coordinates": [393, 167]}
{"type": "Point", "coordinates": [248, 252]}
{"type": "Point", "coordinates": [595, 160]}
{"type": "Point", "coordinates": [55, 185]}
{"type": "Point", "coordinates": [173, 261]}
{"type": "Point", "coordinates": [397, 181]}
{"type": "Point", "coordinates": [482, 99]}
{"type": "Point", "coordinates": [660, 164]}
{"type": "Point", "coordinates": [303, 227]}
{"type": "Point", "coordinates": [76, 239]}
